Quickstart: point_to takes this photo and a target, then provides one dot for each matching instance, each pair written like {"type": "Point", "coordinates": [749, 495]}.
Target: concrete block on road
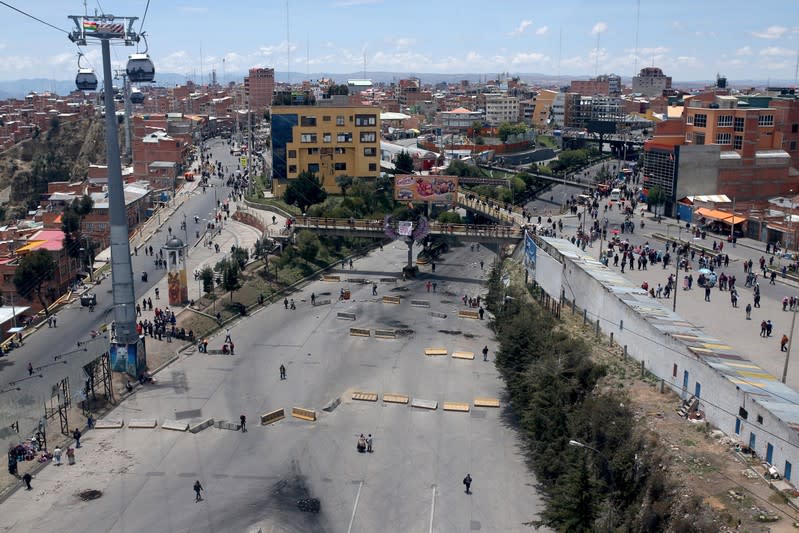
{"type": "Point", "coordinates": [456, 406]}
{"type": "Point", "coordinates": [360, 332]}
{"type": "Point", "coordinates": [365, 396]}
{"type": "Point", "coordinates": [175, 425]}
{"type": "Point", "coordinates": [435, 351]}
{"type": "Point", "coordinates": [328, 277]}
{"type": "Point", "coordinates": [199, 426]}
{"type": "Point", "coordinates": [436, 314]}
{"type": "Point", "coordinates": [468, 314]}
{"type": "Point", "coordinates": [222, 424]}
{"type": "Point", "coordinates": [272, 416]}
{"type": "Point", "coordinates": [358, 280]}
{"type": "Point", "coordinates": [424, 404]}
{"type": "Point", "coordinates": [148, 423]}
{"type": "Point", "coordinates": [463, 355]}
{"type": "Point", "coordinates": [322, 302]}
{"type": "Point", "coordinates": [385, 334]}
{"type": "Point", "coordinates": [108, 423]}
{"type": "Point", "coordinates": [388, 280]}
{"type": "Point", "coordinates": [389, 397]}
{"type": "Point", "coordinates": [345, 316]}
{"type": "Point", "coordinates": [392, 300]}
{"type": "Point", "coordinates": [420, 303]}
{"type": "Point", "coordinates": [486, 402]}
{"type": "Point", "coordinates": [303, 414]}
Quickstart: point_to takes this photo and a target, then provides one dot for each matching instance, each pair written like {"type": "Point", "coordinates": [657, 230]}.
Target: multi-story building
{"type": "Point", "coordinates": [459, 118]}
{"type": "Point", "coordinates": [651, 82]}
{"type": "Point", "coordinates": [259, 88]}
{"type": "Point", "coordinates": [326, 140]}
{"type": "Point", "coordinates": [542, 114]}
{"type": "Point", "coordinates": [500, 107]}
{"type": "Point", "coordinates": [590, 87]}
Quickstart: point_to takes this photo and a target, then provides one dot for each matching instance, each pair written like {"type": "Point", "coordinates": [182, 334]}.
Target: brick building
{"type": "Point", "coordinates": [259, 88]}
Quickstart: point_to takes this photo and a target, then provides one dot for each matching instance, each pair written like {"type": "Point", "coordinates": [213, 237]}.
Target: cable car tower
{"type": "Point", "coordinates": [127, 350]}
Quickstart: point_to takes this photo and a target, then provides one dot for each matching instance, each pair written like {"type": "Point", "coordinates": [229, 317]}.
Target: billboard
{"type": "Point", "coordinates": [436, 189]}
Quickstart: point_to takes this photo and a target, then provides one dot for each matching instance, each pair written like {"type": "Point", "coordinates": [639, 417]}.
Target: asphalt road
{"type": "Point", "coordinates": [74, 322]}
{"type": "Point", "coordinates": [412, 481]}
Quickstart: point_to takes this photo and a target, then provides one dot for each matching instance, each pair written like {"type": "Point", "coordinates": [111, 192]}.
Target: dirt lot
{"type": "Point", "coordinates": [707, 465]}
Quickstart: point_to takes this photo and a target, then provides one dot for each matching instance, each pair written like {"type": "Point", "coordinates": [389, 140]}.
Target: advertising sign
{"type": "Point", "coordinates": [436, 189]}
{"type": "Point", "coordinates": [405, 228]}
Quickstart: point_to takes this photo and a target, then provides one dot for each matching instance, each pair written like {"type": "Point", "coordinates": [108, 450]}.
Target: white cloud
{"type": "Point", "coordinates": [404, 42]}
{"type": "Point", "coordinates": [528, 58]}
{"type": "Point", "coordinates": [523, 25]}
{"type": "Point", "coordinates": [772, 32]}
{"type": "Point", "coordinates": [744, 51]}
{"type": "Point", "coordinates": [543, 30]}
{"type": "Point", "coordinates": [776, 51]}
{"type": "Point", "coordinates": [599, 27]}
{"type": "Point", "coordinates": [688, 61]}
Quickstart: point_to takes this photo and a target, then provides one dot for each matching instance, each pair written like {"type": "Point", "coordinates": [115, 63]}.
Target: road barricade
{"type": "Point", "coordinates": [108, 423]}
{"type": "Point", "coordinates": [486, 402]}
{"type": "Point", "coordinates": [328, 277]}
{"type": "Point", "coordinates": [456, 406]}
{"type": "Point", "coordinates": [436, 314]}
{"type": "Point", "coordinates": [146, 423]}
{"type": "Point", "coordinates": [424, 404]}
{"type": "Point", "coordinates": [365, 396]}
{"type": "Point", "coordinates": [360, 332]}
{"type": "Point", "coordinates": [468, 314]}
{"type": "Point", "coordinates": [272, 416]}
{"type": "Point", "coordinates": [345, 316]}
{"type": "Point", "coordinates": [199, 426]}
{"type": "Point", "coordinates": [390, 397]}
{"type": "Point", "coordinates": [435, 351]}
{"type": "Point", "coordinates": [392, 300]}
{"type": "Point", "coordinates": [175, 425]}
{"type": "Point", "coordinates": [303, 414]}
{"type": "Point", "coordinates": [420, 303]}
{"type": "Point", "coordinates": [463, 355]}
{"type": "Point", "coordinates": [385, 334]}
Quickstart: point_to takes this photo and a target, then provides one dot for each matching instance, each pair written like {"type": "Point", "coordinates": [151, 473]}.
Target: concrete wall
{"type": "Point", "coordinates": [648, 329]}
{"type": "Point", "coordinates": [698, 170]}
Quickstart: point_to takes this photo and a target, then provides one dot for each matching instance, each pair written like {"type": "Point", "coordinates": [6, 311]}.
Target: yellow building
{"type": "Point", "coordinates": [328, 141]}
{"type": "Point", "coordinates": [544, 101]}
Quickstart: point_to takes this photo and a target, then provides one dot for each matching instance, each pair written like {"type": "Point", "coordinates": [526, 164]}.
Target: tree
{"type": "Point", "coordinates": [34, 271]}
{"type": "Point", "coordinates": [506, 129]}
{"type": "Point", "coordinates": [207, 277]}
{"type": "Point", "coordinates": [404, 163]}
{"type": "Point", "coordinates": [304, 191]}
{"type": "Point", "coordinates": [308, 245]}
{"type": "Point", "coordinates": [344, 183]}
{"type": "Point", "coordinates": [476, 127]}
{"type": "Point", "coordinates": [655, 197]}
{"type": "Point", "coordinates": [450, 217]}
{"type": "Point", "coordinates": [240, 256]}
{"type": "Point", "coordinates": [342, 89]}
{"type": "Point", "coordinates": [231, 276]}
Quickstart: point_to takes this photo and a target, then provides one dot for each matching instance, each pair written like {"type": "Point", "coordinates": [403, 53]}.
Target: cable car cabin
{"type": "Point", "coordinates": [140, 69]}
{"type": "Point", "coordinates": [136, 97]}
{"type": "Point", "coordinates": [86, 80]}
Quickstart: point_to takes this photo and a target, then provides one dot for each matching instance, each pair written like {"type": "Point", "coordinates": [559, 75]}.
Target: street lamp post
{"type": "Point", "coordinates": [676, 271]}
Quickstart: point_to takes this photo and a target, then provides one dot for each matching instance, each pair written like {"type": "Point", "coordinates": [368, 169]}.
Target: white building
{"type": "Point", "coordinates": [501, 108]}
{"type": "Point", "coordinates": [459, 118]}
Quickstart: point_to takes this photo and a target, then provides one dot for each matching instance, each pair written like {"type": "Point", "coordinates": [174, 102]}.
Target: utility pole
{"type": "Point", "coordinates": [127, 350]}
{"type": "Point", "coordinates": [128, 124]}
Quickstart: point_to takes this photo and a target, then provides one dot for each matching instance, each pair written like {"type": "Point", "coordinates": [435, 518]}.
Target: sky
{"type": "Point", "coordinates": [689, 40]}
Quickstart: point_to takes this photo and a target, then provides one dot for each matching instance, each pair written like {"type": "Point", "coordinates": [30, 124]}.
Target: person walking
{"type": "Point", "coordinates": [286, 303]}
{"type": "Point", "coordinates": [784, 343]}
{"type": "Point", "coordinates": [76, 435]}
{"type": "Point", "coordinates": [769, 327]}
{"type": "Point", "coordinates": [749, 311]}
{"type": "Point", "coordinates": [197, 490]}
{"type": "Point", "coordinates": [157, 294]}
{"type": "Point", "coordinates": [313, 299]}
{"type": "Point", "coordinates": [292, 306]}
{"type": "Point", "coordinates": [27, 479]}
{"type": "Point", "coordinates": [763, 328]}
{"type": "Point", "coordinates": [282, 372]}
{"type": "Point", "coordinates": [707, 294]}
{"type": "Point", "coordinates": [468, 482]}
{"type": "Point", "coordinates": [485, 353]}
{"type": "Point", "coordinates": [374, 289]}
{"type": "Point", "coordinates": [369, 443]}
{"type": "Point", "coordinates": [481, 312]}
{"type": "Point", "coordinates": [70, 455]}
{"type": "Point", "coordinates": [30, 369]}
{"type": "Point", "coordinates": [57, 456]}
{"type": "Point", "coordinates": [481, 265]}
{"type": "Point", "coordinates": [243, 420]}
{"type": "Point", "coordinates": [227, 335]}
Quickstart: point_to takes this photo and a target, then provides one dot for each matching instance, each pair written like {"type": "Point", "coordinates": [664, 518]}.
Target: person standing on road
{"type": "Point", "coordinates": [749, 311]}
{"type": "Point", "coordinates": [481, 312]}
{"type": "Point", "coordinates": [282, 372]}
{"type": "Point", "coordinates": [227, 335]}
{"type": "Point", "coordinates": [76, 435]}
{"type": "Point", "coordinates": [197, 490]}
{"type": "Point", "coordinates": [468, 482]}
{"type": "Point", "coordinates": [369, 443]}
{"type": "Point", "coordinates": [157, 294]}
{"type": "Point", "coordinates": [707, 294]}
{"type": "Point", "coordinates": [286, 303]}
{"type": "Point", "coordinates": [784, 343]}
{"type": "Point", "coordinates": [485, 353]}
{"type": "Point", "coordinates": [243, 420]}
{"type": "Point", "coordinates": [27, 479]}
{"type": "Point", "coordinates": [30, 369]}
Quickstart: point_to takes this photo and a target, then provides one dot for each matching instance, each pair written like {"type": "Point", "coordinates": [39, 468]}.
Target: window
{"type": "Point", "coordinates": [345, 137]}
{"type": "Point", "coordinates": [759, 419]}
{"type": "Point", "coordinates": [674, 371]}
{"type": "Point", "coordinates": [765, 120]}
{"type": "Point", "coordinates": [292, 154]}
{"type": "Point", "coordinates": [372, 167]}
{"type": "Point", "coordinates": [369, 152]}
{"type": "Point", "coordinates": [340, 120]}
{"type": "Point", "coordinates": [723, 138]}
{"type": "Point", "coordinates": [792, 146]}
{"type": "Point", "coordinates": [313, 168]}
{"type": "Point", "coordinates": [689, 136]}
{"type": "Point", "coordinates": [292, 169]}
{"type": "Point", "coordinates": [308, 138]}
{"type": "Point", "coordinates": [700, 121]}
{"type": "Point", "coordinates": [326, 118]}
{"type": "Point", "coordinates": [690, 120]}
{"type": "Point", "coordinates": [339, 166]}
{"type": "Point", "coordinates": [313, 151]}
{"type": "Point", "coordinates": [724, 121]}
{"type": "Point", "coordinates": [738, 142]}
{"type": "Point", "coordinates": [341, 151]}
{"type": "Point", "coordinates": [699, 139]}
{"type": "Point", "coordinates": [794, 128]}
{"type": "Point", "coordinates": [739, 123]}
{"type": "Point", "coordinates": [368, 137]}
{"type": "Point", "coordinates": [308, 121]}
{"type": "Point", "coordinates": [327, 137]}
{"type": "Point", "coordinates": [365, 120]}
{"type": "Point", "coordinates": [89, 226]}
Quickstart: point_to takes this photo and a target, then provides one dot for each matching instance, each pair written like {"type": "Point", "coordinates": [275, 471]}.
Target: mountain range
{"type": "Point", "coordinates": [19, 88]}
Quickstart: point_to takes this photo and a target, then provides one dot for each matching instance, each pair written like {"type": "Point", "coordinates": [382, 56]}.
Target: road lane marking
{"type": "Point", "coordinates": [432, 509]}
{"type": "Point", "coordinates": [355, 507]}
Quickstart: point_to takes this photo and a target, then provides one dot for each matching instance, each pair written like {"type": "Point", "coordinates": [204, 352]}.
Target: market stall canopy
{"type": "Point", "coordinates": [721, 216]}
